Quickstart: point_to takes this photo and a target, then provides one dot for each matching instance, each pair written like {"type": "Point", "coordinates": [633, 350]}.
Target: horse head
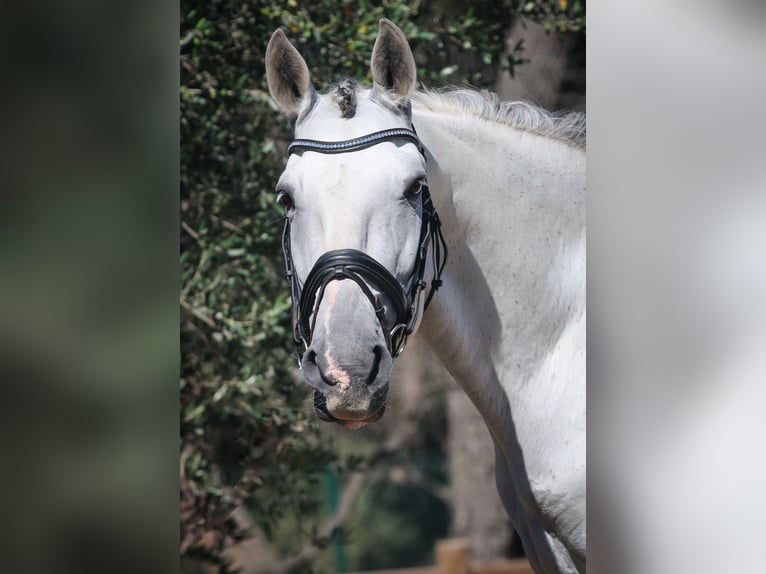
{"type": "Point", "coordinates": [358, 223]}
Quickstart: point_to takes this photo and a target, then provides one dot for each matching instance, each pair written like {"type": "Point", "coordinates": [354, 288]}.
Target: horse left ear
{"type": "Point", "coordinates": [392, 64]}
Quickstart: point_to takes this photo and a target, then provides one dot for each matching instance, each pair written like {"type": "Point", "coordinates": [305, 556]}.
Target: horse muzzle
{"type": "Point", "coordinates": [350, 377]}
{"type": "Point", "coordinates": [351, 414]}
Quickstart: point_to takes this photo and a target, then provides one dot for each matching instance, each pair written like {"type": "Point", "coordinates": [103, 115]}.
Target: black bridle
{"type": "Point", "coordinates": [361, 268]}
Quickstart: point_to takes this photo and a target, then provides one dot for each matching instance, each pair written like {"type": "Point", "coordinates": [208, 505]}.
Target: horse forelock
{"type": "Point", "coordinates": [348, 92]}
{"type": "Point", "coordinates": [345, 97]}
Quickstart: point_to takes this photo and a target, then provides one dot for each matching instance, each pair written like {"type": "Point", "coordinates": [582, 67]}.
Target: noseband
{"type": "Point", "coordinates": [362, 269]}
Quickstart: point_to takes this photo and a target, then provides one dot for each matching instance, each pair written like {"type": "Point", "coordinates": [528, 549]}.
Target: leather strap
{"type": "Point", "coordinates": [356, 143]}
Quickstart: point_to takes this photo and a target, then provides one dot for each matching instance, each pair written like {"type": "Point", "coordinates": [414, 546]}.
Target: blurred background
{"type": "Point", "coordinates": [265, 487]}
{"type": "Point", "coordinates": [89, 289]}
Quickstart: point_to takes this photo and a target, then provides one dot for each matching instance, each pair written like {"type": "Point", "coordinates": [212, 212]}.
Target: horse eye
{"type": "Point", "coordinates": [285, 200]}
{"type": "Point", "coordinates": [415, 188]}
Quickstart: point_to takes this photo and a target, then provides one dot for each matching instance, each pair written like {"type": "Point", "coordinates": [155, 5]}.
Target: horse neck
{"type": "Point", "coordinates": [512, 206]}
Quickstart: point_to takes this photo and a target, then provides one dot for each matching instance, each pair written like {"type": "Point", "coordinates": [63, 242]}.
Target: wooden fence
{"type": "Point", "coordinates": [452, 557]}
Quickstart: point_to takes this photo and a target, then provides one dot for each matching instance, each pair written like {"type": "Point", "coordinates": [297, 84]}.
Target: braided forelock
{"type": "Point", "coordinates": [345, 97]}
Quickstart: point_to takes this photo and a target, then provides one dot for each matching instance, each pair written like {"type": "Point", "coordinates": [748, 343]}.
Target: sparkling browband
{"type": "Point", "coordinates": [355, 144]}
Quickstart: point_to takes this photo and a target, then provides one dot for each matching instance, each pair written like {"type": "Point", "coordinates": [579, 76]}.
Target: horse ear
{"type": "Point", "coordinates": [287, 75]}
{"type": "Point", "coordinates": [392, 64]}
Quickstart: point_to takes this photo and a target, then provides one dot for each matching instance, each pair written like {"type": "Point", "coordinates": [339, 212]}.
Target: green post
{"type": "Point", "coordinates": [331, 484]}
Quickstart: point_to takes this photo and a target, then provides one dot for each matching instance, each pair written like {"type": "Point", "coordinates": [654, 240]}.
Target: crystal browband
{"type": "Point", "coordinates": [355, 144]}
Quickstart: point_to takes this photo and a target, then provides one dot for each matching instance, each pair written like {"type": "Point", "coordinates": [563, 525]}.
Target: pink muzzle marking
{"type": "Point", "coordinates": [333, 369]}
{"type": "Point", "coordinates": [338, 374]}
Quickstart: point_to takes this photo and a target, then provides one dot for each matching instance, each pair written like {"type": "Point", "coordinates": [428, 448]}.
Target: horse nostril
{"type": "Point", "coordinates": [314, 371]}
{"type": "Point", "coordinates": [377, 355]}
{"type": "Point", "coordinates": [311, 357]}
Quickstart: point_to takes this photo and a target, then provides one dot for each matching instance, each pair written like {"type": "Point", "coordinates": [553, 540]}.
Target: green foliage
{"type": "Point", "coordinates": [395, 526]}
{"type": "Point", "coordinates": [247, 432]}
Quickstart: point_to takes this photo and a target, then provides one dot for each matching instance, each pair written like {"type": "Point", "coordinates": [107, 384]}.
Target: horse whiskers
{"type": "Point", "coordinates": [312, 417]}
{"type": "Point", "coordinates": [279, 221]}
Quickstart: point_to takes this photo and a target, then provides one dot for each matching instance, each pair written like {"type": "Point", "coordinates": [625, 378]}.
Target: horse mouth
{"type": "Point", "coordinates": [377, 404]}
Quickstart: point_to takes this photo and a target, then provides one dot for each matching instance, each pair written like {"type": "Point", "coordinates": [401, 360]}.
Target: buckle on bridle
{"type": "Point", "coordinates": [298, 354]}
{"type": "Point", "coordinates": [397, 347]}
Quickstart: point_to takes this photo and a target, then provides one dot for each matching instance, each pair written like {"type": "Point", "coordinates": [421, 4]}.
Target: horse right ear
{"type": "Point", "coordinates": [287, 75]}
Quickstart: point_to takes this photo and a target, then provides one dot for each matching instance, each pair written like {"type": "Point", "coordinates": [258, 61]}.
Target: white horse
{"type": "Point", "coordinates": [363, 248]}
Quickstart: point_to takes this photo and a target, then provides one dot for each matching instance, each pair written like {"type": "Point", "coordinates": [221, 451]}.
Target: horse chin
{"type": "Point", "coordinates": [353, 422]}
{"type": "Point", "coordinates": [357, 424]}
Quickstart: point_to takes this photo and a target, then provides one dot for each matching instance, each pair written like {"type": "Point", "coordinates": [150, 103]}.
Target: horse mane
{"type": "Point", "coordinates": [566, 126]}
